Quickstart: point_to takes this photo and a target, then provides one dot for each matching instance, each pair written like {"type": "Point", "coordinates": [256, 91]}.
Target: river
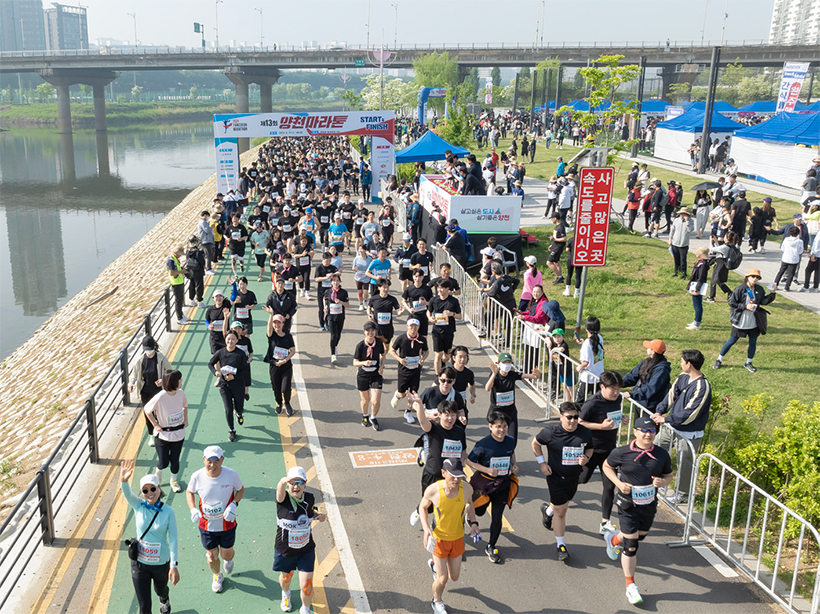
{"type": "Point", "coordinates": [60, 235]}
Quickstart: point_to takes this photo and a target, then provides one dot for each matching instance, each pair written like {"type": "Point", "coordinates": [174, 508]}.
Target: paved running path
{"type": "Point", "coordinates": [373, 509]}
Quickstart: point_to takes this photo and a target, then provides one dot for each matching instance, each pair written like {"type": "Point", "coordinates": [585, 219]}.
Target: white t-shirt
{"type": "Point", "coordinates": [168, 411]}
{"type": "Point", "coordinates": [596, 362]}
{"type": "Point", "coordinates": [214, 496]}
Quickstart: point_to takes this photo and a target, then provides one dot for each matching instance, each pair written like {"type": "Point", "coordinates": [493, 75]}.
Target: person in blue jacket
{"type": "Point", "coordinates": [651, 377]}
{"type": "Point", "coordinates": [157, 559]}
{"type": "Point", "coordinates": [367, 181]}
{"type": "Point", "coordinates": [561, 170]}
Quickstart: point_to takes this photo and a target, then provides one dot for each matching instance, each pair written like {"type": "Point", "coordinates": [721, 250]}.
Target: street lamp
{"type": "Point", "coordinates": [134, 17]}
{"type": "Point", "coordinates": [368, 24]}
{"type": "Point", "coordinates": [261, 26]}
{"type": "Point", "coordinates": [396, 26]}
{"type": "Point", "coordinates": [216, 10]}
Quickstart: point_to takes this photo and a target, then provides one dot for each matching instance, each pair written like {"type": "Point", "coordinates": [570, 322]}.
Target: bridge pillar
{"type": "Point", "coordinates": [265, 97]}
{"type": "Point", "coordinates": [103, 165]}
{"type": "Point", "coordinates": [669, 76]}
{"type": "Point", "coordinates": [242, 106]}
{"type": "Point", "coordinates": [66, 136]}
{"type": "Point", "coordinates": [241, 77]}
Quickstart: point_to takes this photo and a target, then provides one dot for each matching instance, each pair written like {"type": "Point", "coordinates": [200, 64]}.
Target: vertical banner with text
{"type": "Point", "coordinates": [592, 221]}
{"type": "Point", "coordinates": [382, 157]}
{"type": "Point", "coordinates": [227, 164]}
{"type": "Point", "coordinates": [790, 85]}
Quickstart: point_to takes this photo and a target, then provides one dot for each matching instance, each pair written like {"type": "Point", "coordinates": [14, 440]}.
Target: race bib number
{"type": "Point", "coordinates": [442, 320]}
{"type": "Point", "coordinates": [383, 317]}
{"type": "Point", "coordinates": [451, 448]}
{"type": "Point", "coordinates": [274, 221]}
{"type": "Point", "coordinates": [236, 235]}
{"type": "Point", "coordinates": [571, 455]}
{"type": "Point", "coordinates": [242, 313]}
{"type": "Point", "coordinates": [266, 208]}
{"type": "Point", "coordinates": [359, 221]}
{"type": "Point", "coordinates": [336, 309]}
{"type": "Point", "coordinates": [228, 370]}
{"type": "Point", "coordinates": [244, 348]}
{"type": "Point", "coordinates": [324, 219]}
{"type": "Point", "coordinates": [424, 270]}
{"type": "Point", "coordinates": [643, 495]}
{"type": "Point", "coordinates": [386, 223]}
{"type": "Point", "coordinates": [412, 362]}
{"type": "Point", "coordinates": [327, 283]}
{"type": "Point", "coordinates": [286, 227]}
{"type": "Point", "coordinates": [148, 552]}
{"type": "Point", "coordinates": [368, 232]}
{"type": "Point", "coordinates": [346, 215]}
{"type": "Point", "coordinates": [298, 539]}
{"type": "Point", "coordinates": [616, 416]}
{"type": "Point", "coordinates": [358, 276]}
{"type": "Point", "coordinates": [503, 399]}
{"type": "Point", "coordinates": [176, 419]}
{"type": "Point", "coordinates": [289, 284]}
{"type": "Point", "coordinates": [213, 512]}
{"type": "Point", "coordinates": [502, 463]}
{"type": "Point", "coordinates": [304, 260]}
{"type": "Point", "coordinates": [280, 353]}
{"type": "Point", "coordinates": [405, 262]}
{"type": "Point", "coordinates": [217, 324]}
{"type": "Point", "coordinates": [418, 306]}
{"type": "Point", "coordinates": [336, 238]}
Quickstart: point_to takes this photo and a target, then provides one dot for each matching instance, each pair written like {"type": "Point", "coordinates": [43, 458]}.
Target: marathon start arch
{"type": "Point", "coordinates": [228, 129]}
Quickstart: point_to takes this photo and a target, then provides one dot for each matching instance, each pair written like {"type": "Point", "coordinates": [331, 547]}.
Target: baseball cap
{"type": "Point", "coordinates": [337, 216]}
{"type": "Point", "coordinates": [488, 251]}
{"type": "Point", "coordinates": [767, 200]}
{"type": "Point", "coordinates": [450, 228]}
{"type": "Point", "coordinates": [278, 318]}
{"type": "Point", "coordinates": [531, 260]}
{"type": "Point", "coordinates": [361, 201]}
{"type": "Point", "coordinates": [148, 343]}
{"type": "Point", "coordinates": [218, 292]}
{"type": "Point", "coordinates": [213, 453]}
{"type": "Point", "coordinates": [239, 324]}
{"type": "Point", "coordinates": [413, 321]}
{"type": "Point", "coordinates": [257, 224]}
{"type": "Point", "coordinates": [309, 210]}
{"type": "Point", "coordinates": [645, 422]}
{"type": "Point", "coordinates": [558, 331]}
{"type": "Point", "coordinates": [504, 357]}
{"type": "Point", "coordinates": [407, 236]}
{"type": "Point", "coordinates": [656, 345]}
{"type": "Point", "coordinates": [151, 478]}
{"type": "Point", "coordinates": [297, 473]}
{"type": "Point", "coordinates": [797, 216]}
{"type": "Point", "coordinates": [454, 467]}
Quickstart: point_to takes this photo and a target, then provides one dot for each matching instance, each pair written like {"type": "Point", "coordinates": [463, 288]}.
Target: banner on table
{"type": "Point", "coordinates": [592, 226]}
{"type": "Point", "coordinates": [474, 213]}
{"type": "Point", "coordinates": [793, 75]}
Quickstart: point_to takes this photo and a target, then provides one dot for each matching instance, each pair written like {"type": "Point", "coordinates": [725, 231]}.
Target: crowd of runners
{"type": "Point", "coordinates": [297, 218]}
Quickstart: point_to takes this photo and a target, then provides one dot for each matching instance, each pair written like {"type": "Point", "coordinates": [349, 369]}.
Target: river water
{"type": "Point", "coordinates": [59, 235]}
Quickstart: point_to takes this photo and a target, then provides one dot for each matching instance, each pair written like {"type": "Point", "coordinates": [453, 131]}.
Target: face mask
{"type": "Point", "coordinates": [505, 367]}
{"type": "Point", "coordinates": [151, 353]}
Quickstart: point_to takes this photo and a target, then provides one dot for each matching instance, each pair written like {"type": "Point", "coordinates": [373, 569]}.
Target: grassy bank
{"type": "Point", "coordinates": [636, 298]}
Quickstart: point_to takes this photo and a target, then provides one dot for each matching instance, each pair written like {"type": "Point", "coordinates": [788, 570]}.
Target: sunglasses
{"type": "Point", "coordinates": [446, 381]}
{"type": "Point", "coordinates": [297, 483]}
{"type": "Point", "coordinates": [145, 491]}
{"type": "Point", "coordinates": [573, 417]}
{"type": "Point", "coordinates": [653, 431]}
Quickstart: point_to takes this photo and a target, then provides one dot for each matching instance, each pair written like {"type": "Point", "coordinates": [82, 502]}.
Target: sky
{"type": "Point", "coordinates": [170, 22]}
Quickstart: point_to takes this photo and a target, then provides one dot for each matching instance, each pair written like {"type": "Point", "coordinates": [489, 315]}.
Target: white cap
{"type": "Point", "coordinates": [297, 473]}
{"type": "Point", "coordinates": [218, 292]}
{"type": "Point", "coordinates": [213, 452]}
{"type": "Point", "coordinates": [361, 201]}
{"type": "Point", "coordinates": [488, 251]}
{"type": "Point", "coordinates": [531, 260]}
{"type": "Point", "coordinates": [407, 236]}
{"type": "Point", "coordinates": [412, 321]}
{"type": "Point", "coordinates": [151, 478]}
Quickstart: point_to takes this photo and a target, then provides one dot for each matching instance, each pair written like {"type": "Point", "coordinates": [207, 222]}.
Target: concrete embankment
{"type": "Point", "coordinates": [47, 380]}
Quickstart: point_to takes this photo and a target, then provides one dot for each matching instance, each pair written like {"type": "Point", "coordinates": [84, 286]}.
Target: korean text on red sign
{"type": "Point", "coordinates": [592, 225]}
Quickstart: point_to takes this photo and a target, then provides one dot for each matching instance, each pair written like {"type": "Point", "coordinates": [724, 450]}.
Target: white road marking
{"type": "Point", "coordinates": [715, 561]}
{"type": "Point", "coordinates": [351, 571]}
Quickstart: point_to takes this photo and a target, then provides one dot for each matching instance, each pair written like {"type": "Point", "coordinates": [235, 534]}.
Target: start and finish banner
{"type": "Point", "coordinates": [228, 128]}
{"type": "Point", "coordinates": [793, 75]}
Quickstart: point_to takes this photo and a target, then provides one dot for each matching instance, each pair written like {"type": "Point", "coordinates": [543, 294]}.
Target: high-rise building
{"type": "Point", "coordinates": [66, 27]}
{"type": "Point", "coordinates": [21, 25]}
{"type": "Point", "coordinates": [795, 22]}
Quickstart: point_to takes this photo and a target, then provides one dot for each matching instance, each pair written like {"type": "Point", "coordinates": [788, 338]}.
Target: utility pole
{"type": "Point", "coordinates": [216, 11]}
{"type": "Point", "coordinates": [636, 121]}
{"type": "Point", "coordinates": [725, 15]}
{"type": "Point", "coordinates": [396, 27]}
{"type": "Point", "coordinates": [703, 30]}
{"type": "Point", "coordinates": [261, 26]}
{"type": "Point", "coordinates": [368, 24]}
{"type": "Point", "coordinates": [706, 136]}
{"type": "Point", "coordinates": [134, 17]}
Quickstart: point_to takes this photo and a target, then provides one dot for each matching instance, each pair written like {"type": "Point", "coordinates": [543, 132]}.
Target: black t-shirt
{"type": "Point", "coordinates": [413, 295]}
{"type": "Point", "coordinates": [235, 235]}
{"type": "Point", "coordinates": [464, 378]}
{"type": "Point", "coordinates": [502, 395]}
{"type": "Point", "coordinates": [336, 310]}
{"type": "Point", "coordinates": [243, 301]}
{"type": "Point", "coordinates": [288, 275]}
{"type": "Point", "coordinates": [564, 449]}
{"type": "Point", "coordinates": [639, 472]}
{"type": "Point", "coordinates": [325, 216]}
{"type": "Point", "coordinates": [559, 232]}
{"type": "Point", "coordinates": [382, 309]}
{"type": "Point", "coordinates": [228, 361]}
{"type": "Point", "coordinates": [597, 409]}
{"type": "Point", "coordinates": [454, 285]}
{"type": "Point", "coordinates": [443, 444]}
{"type": "Point", "coordinates": [432, 396]}
{"type": "Point", "coordinates": [376, 353]}
{"type": "Point", "coordinates": [425, 260]}
{"type": "Point", "coordinates": [294, 537]}
{"type": "Point", "coordinates": [283, 304]}
{"type": "Point", "coordinates": [215, 316]}
{"type": "Point", "coordinates": [411, 349]}
{"type": "Point", "coordinates": [741, 209]}
{"type": "Point", "coordinates": [324, 271]}
{"type": "Point", "coordinates": [288, 225]}
{"type": "Point", "coordinates": [244, 343]}
{"type": "Point", "coordinates": [279, 347]}
{"type": "Point", "coordinates": [439, 306]}
{"type": "Point", "coordinates": [491, 453]}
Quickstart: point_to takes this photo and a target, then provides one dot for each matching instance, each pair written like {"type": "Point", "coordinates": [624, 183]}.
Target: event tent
{"type": "Point", "coordinates": [675, 135]}
{"type": "Point", "coordinates": [780, 149]}
{"type": "Point", "coordinates": [721, 106]}
{"type": "Point", "coordinates": [654, 107]}
{"type": "Point", "coordinates": [583, 105]}
{"type": "Point", "coordinates": [429, 147]}
{"type": "Point", "coordinates": [768, 107]}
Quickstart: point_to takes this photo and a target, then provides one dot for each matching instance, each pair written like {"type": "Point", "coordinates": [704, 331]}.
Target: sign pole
{"type": "Point", "coordinates": [581, 303]}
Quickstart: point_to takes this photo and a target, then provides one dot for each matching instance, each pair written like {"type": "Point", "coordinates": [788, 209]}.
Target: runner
{"type": "Point", "coordinates": [259, 239]}
{"type": "Point", "coordinates": [281, 349]}
{"type": "Point", "coordinates": [243, 342]}
{"type": "Point", "coordinates": [493, 460]}
{"type": "Point", "coordinates": [445, 271]}
{"type": "Point", "coordinates": [168, 414]}
{"type": "Point", "coordinates": [444, 391]}
{"type": "Point", "coordinates": [403, 257]}
{"type": "Point", "coordinates": [422, 259]}
{"type": "Point", "coordinates": [228, 365]}
{"type": "Point", "coordinates": [303, 256]}
{"type": "Point", "coordinates": [380, 308]}
{"type": "Point", "coordinates": [219, 490]}
{"type": "Point", "coordinates": [410, 350]}
{"type": "Point", "coordinates": [370, 230]}
{"type": "Point", "coordinates": [323, 282]}
{"type": "Point", "coordinates": [338, 233]}
{"type": "Point", "coordinates": [444, 310]}
{"type": "Point", "coordinates": [602, 414]}
{"type": "Point", "coordinates": [379, 269]}
{"type": "Point", "coordinates": [289, 273]}
{"type": "Point", "coordinates": [369, 358]}
{"type": "Point", "coordinates": [236, 234]}
{"type": "Point", "coordinates": [157, 546]}
{"type": "Point", "coordinates": [451, 498]}
{"type": "Point", "coordinates": [465, 378]}
{"type": "Point", "coordinates": [146, 379]}
{"type": "Point", "coordinates": [243, 301]}
{"type": "Point", "coordinates": [637, 470]}
{"type": "Point", "coordinates": [294, 548]}
{"type": "Point", "coordinates": [569, 448]}
{"type": "Point", "coordinates": [416, 299]}
{"type": "Point", "coordinates": [336, 301]}
{"type": "Point", "coordinates": [281, 302]}
{"type": "Point", "coordinates": [501, 386]}
{"type": "Point", "coordinates": [215, 317]}
{"type": "Point", "coordinates": [359, 219]}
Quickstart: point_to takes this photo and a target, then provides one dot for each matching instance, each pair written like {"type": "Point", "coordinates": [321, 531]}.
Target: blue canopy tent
{"type": "Point", "coordinates": [768, 107]}
{"type": "Point", "coordinates": [779, 150]}
{"type": "Point", "coordinates": [675, 135]}
{"type": "Point", "coordinates": [699, 105]}
{"type": "Point", "coordinates": [654, 107]}
{"type": "Point", "coordinates": [583, 105]}
{"type": "Point", "coordinates": [429, 147]}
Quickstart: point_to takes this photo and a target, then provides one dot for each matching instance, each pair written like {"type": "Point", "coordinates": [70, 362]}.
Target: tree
{"type": "Point", "coordinates": [524, 73]}
{"type": "Point", "coordinates": [552, 65]}
{"type": "Point", "coordinates": [680, 91]}
{"type": "Point", "coordinates": [473, 81]}
{"type": "Point", "coordinates": [436, 70]}
{"type": "Point", "coordinates": [495, 75]}
{"type": "Point", "coordinates": [193, 92]}
{"type": "Point", "coordinates": [456, 128]}
{"type": "Point", "coordinates": [44, 92]}
{"type": "Point", "coordinates": [398, 95]}
{"type": "Point", "coordinates": [354, 101]}
{"type": "Point", "coordinates": [135, 92]}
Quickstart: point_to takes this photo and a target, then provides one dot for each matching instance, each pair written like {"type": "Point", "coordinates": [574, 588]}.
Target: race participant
{"type": "Point", "coordinates": [168, 414]}
{"type": "Point", "coordinates": [465, 378]}
{"type": "Point", "coordinates": [370, 229]}
{"type": "Point", "coordinates": [450, 498]}
{"type": "Point", "coordinates": [323, 274]}
{"type": "Point", "coordinates": [145, 376]}
{"type": "Point", "coordinates": [303, 256]}
{"type": "Point", "coordinates": [403, 257]}
{"type": "Point", "coordinates": [444, 391]}
{"type": "Point", "coordinates": [602, 414]}
{"type": "Point", "coordinates": [325, 214]}
{"type": "Point", "coordinates": [379, 269]}
{"type": "Point", "coordinates": [308, 224]}
{"type": "Point", "coordinates": [569, 448]}
{"type": "Point", "coordinates": [559, 241]}
{"type": "Point", "coordinates": [493, 460]}
{"type": "Point", "coordinates": [359, 219]}
{"type": "Point", "coordinates": [281, 349]}
{"type": "Point", "coordinates": [215, 317]}
{"type": "Point", "coordinates": [380, 309]}
{"type": "Point", "coordinates": [443, 310]}
{"type": "Point", "coordinates": [243, 342]}
{"type": "Point", "coordinates": [359, 267]}
{"type": "Point", "coordinates": [157, 546]}
{"type": "Point", "coordinates": [219, 490]}
{"type": "Point", "coordinates": [236, 234]}
{"type": "Point", "coordinates": [637, 470]}
{"type": "Point", "coordinates": [259, 239]}
{"type": "Point", "coordinates": [336, 301]}
{"type": "Point", "coordinates": [410, 350]}
{"type": "Point", "coordinates": [386, 219]}
{"type": "Point", "coordinates": [281, 302]}
{"type": "Point", "coordinates": [338, 233]}
{"type": "Point", "coordinates": [501, 386]}
{"type": "Point", "coordinates": [290, 274]}
{"type": "Point", "coordinates": [422, 259]}
{"type": "Point", "coordinates": [228, 365]}
{"type": "Point", "coordinates": [369, 357]}
{"type": "Point", "coordinates": [444, 273]}
{"type": "Point", "coordinates": [347, 209]}
{"type": "Point", "coordinates": [287, 224]}
{"type": "Point", "coordinates": [294, 546]}
{"type": "Point", "coordinates": [243, 301]}
{"type": "Point", "coordinates": [416, 298]}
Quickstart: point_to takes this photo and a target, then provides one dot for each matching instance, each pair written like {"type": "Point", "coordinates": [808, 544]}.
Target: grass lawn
{"type": "Point", "coordinates": [636, 298]}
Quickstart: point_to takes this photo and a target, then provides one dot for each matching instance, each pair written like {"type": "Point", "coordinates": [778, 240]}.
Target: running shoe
{"type": "Point", "coordinates": [563, 553]}
{"type": "Point", "coordinates": [414, 518]}
{"type": "Point", "coordinates": [611, 549]}
{"type": "Point", "coordinates": [395, 400]}
{"type": "Point", "coordinates": [365, 421]}
{"type": "Point", "coordinates": [201, 305]}
{"type": "Point", "coordinates": [232, 436]}
{"type": "Point", "coordinates": [575, 293]}
{"type": "Point", "coordinates": [546, 519]}
{"type": "Point", "coordinates": [709, 300]}
{"type": "Point", "coordinates": [361, 307]}
{"type": "Point", "coordinates": [633, 595]}
{"type": "Point", "coordinates": [285, 604]}
{"type": "Point", "coordinates": [565, 292]}
{"type": "Point", "coordinates": [333, 359]}
{"type": "Point", "coordinates": [693, 326]}
{"type": "Point", "coordinates": [228, 565]}
{"type": "Point", "coordinates": [279, 409]}
{"type": "Point", "coordinates": [304, 610]}
{"type": "Point", "coordinates": [717, 365]}
{"type": "Point", "coordinates": [193, 303]}
{"type": "Point", "coordinates": [242, 266]}
{"type": "Point", "coordinates": [432, 567]}
{"type": "Point", "coordinates": [150, 441]}
{"type": "Point", "coordinates": [164, 606]}
{"type": "Point", "coordinates": [375, 424]}
{"type": "Point", "coordinates": [606, 526]}
{"type": "Point", "coordinates": [210, 272]}
{"type": "Point", "coordinates": [175, 486]}
{"type": "Point", "coordinates": [408, 416]}
{"type": "Point", "coordinates": [750, 367]}
{"type": "Point", "coordinates": [240, 419]}
{"type": "Point", "coordinates": [289, 410]}
{"type": "Point", "coordinates": [216, 585]}
{"type": "Point", "coordinates": [493, 554]}
{"type": "Point", "coordinates": [438, 607]}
